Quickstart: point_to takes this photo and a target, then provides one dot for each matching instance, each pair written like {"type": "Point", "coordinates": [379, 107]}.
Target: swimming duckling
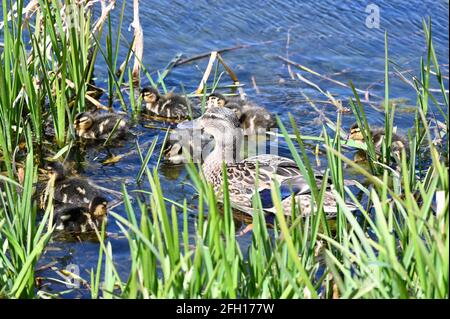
{"type": "Point", "coordinates": [81, 219]}
{"type": "Point", "coordinates": [251, 116]}
{"type": "Point", "coordinates": [223, 124]}
{"type": "Point", "coordinates": [170, 106]}
{"type": "Point", "coordinates": [69, 190]}
{"type": "Point", "coordinates": [256, 118]}
{"type": "Point", "coordinates": [399, 143]}
{"type": "Point", "coordinates": [93, 126]}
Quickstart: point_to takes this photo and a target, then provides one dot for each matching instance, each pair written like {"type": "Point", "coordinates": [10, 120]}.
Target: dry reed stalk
{"type": "Point", "coordinates": [28, 11]}
{"type": "Point", "coordinates": [288, 41]}
{"type": "Point", "coordinates": [304, 68]}
{"type": "Point", "coordinates": [205, 77]}
{"type": "Point", "coordinates": [207, 54]}
{"type": "Point", "coordinates": [232, 76]}
{"type": "Point", "coordinates": [138, 42]}
{"type": "Point", "coordinates": [255, 86]}
{"type": "Point", "coordinates": [106, 9]}
{"type": "Point", "coordinates": [138, 45]}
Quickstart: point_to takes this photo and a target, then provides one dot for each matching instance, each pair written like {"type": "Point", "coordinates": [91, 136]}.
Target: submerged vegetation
{"type": "Point", "coordinates": [395, 246]}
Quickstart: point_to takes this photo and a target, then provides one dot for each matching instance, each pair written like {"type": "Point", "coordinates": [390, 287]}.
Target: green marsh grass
{"type": "Point", "coordinates": [396, 247]}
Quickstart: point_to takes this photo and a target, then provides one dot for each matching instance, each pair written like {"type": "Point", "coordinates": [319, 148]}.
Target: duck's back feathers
{"type": "Point", "coordinates": [75, 191]}
{"type": "Point", "coordinates": [72, 218]}
{"type": "Point", "coordinates": [174, 106]}
{"type": "Point", "coordinates": [398, 142]}
{"type": "Point", "coordinates": [293, 186]}
{"type": "Point", "coordinates": [105, 123]}
{"type": "Point", "coordinates": [100, 126]}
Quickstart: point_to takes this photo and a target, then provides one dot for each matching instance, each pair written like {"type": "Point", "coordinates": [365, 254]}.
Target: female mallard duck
{"type": "Point", "coordinates": [223, 124]}
{"type": "Point", "coordinates": [399, 143]}
{"type": "Point", "coordinates": [251, 116]}
{"type": "Point", "coordinates": [92, 126]}
{"type": "Point", "coordinates": [170, 106]}
{"type": "Point", "coordinates": [80, 219]}
{"type": "Point", "coordinates": [69, 190]}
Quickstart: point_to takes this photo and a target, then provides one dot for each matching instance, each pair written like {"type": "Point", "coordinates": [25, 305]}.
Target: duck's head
{"type": "Point", "coordinates": [98, 207]}
{"type": "Point", "coordinates": [218, 121]}
{"type": "Point", "coordinates": [150, 95]}
{"type": "Point", "coordinates": [55, 170]}
{"type": "Point", "coordinates": [355, 133]}
{"type": "Point", "coordinates": [216, 100]}
{"type": "Point", "coordinates": [83, 122]}
{"type": "Point", "coordinates": [397, 148]}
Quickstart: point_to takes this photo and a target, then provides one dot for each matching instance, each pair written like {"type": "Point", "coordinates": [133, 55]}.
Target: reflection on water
{"type": "Point", "coordinates": [328, 36]}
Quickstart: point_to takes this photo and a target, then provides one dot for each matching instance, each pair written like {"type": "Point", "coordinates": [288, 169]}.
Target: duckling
{"type": "Point", "coordinates": [223, 125]}
{"type": "Point", "coordinates": [69, 190]}
{"type": "Point", "coordinates": [170, 106]}
{"type": "Point", "coordinates": [81, 219]}
{"type": "Point", "coordinates": [256, 118]}
{"type": "Point", "coordinates": [93, 126]}
{"type": "Point", "coordinates": [251, 116]}
{"type": "Point", "coordinates": [399, 143]}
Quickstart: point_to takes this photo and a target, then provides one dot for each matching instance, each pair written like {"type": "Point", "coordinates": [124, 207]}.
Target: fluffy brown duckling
{"type": "Point", "coordinates": [251, 116]}
{"type": "Point", "coordinates": [170, 106]}
{"type": "Point", "coordinates": [81, 219]}
{"type": "Point", "coordinates": [93, 126]}
{"type": "Point", "coordinates": [76, 191]}
{"type": "Point", "coordinates": [399, 143]}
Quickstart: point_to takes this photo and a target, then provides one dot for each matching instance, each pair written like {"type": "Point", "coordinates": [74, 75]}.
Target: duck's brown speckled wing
{"type": "Point", "coordinates": [242, 185]}
{"type": "Point", "coordinates": [242, 177]}
{"type": "Point", "coordinates": [273, 166]}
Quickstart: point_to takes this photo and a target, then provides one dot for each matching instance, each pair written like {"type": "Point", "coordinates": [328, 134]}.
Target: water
{"type": "Point", "coordinates": [330, 37]}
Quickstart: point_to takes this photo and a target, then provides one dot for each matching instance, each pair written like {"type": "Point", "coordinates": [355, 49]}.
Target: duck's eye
{"type": "Point", "coordinates": [212, 116]}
